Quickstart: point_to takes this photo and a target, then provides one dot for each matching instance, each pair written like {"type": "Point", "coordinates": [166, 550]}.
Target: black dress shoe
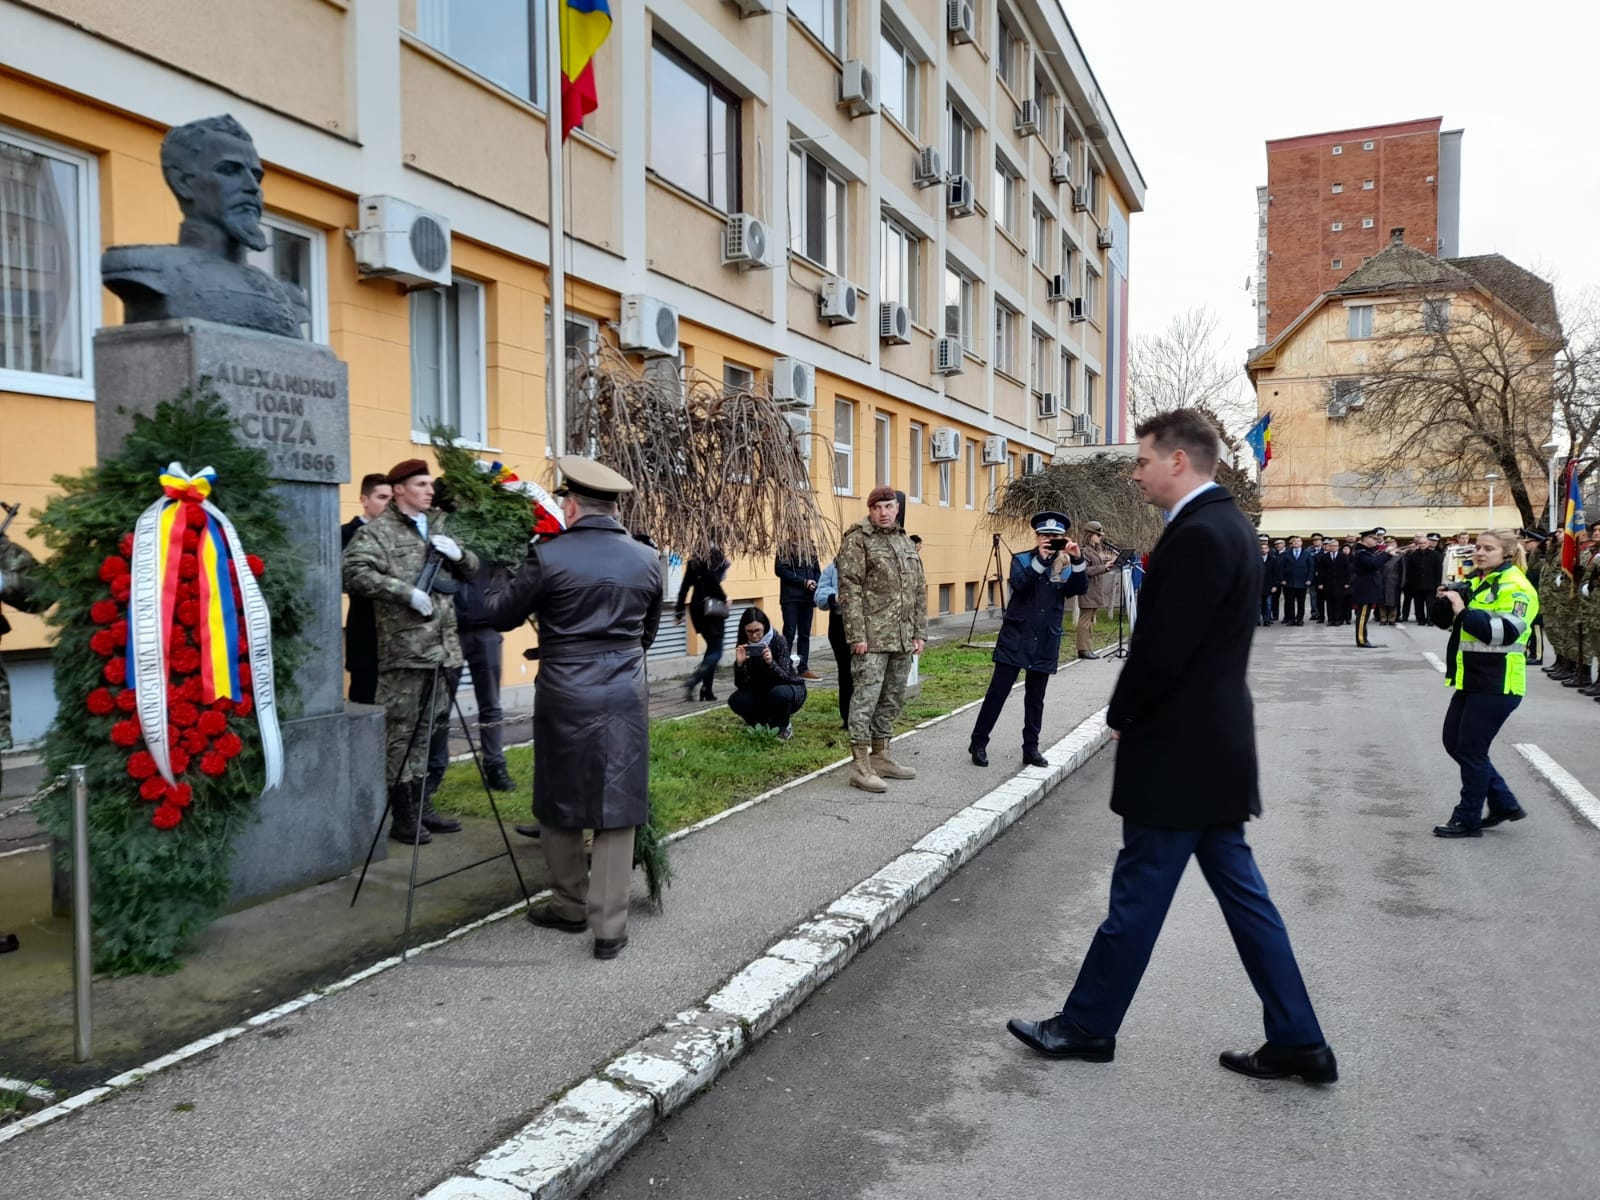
{"type": "Point", "coordinates": [1496, 817]}
{"type": "Point", "coordinates": [1315, 1065]}
{"type": "Point", "coordinates": [545, 916]}
{"type": "Point", "coordinates": [1455, 829]}
{"type": "Point", "coordinates": [607, 948]}
{"type": "Point", "coordinates": [500, 780]}
{"type": "Point", "coordinates": [1057, 1037]}
{"type": "Point", "coordinates": [8, 943]}
{"type": "Point", "coordinates": [1034, 759]}
{"type": "Point", "coordinates": [980, 758]}
{"type": "Point", "coordinates": [531, 829]}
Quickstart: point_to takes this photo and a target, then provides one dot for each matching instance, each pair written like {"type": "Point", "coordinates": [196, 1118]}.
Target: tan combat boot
{"type": "Point", "coordinates": [886, 766]}
{"type": "Point", "coordinates": [861, 773]}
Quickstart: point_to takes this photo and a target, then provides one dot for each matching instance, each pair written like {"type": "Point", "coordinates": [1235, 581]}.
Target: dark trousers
{"type": "Point", "coordinates": [711, 633]}
{"type": "Point", "coordinates": [771, 708]}
{"type": "Point", "coordinates": [1364, 615]}
{"type": "Point", "coordinates": [1414, 605]}
{"type": "Point", "coordinates": [1294, 606]}
{"type": "Point", "coordinates": [1146, 875]}
{"type": "Point", "coordinates": [1277, 604]}
{"type": "Point", "coordinates": [1264, 614]}
{"type": "Point", "coordinates": [797, 629]}
{"type": "Point", "coordinates": [1470, 724]}
{"type": "Point", "coordinates": [1000, 685]}
{"type": "Point", "coordinates": [841, 659]}
{"type": "Point", "coordinates": [363, 670]}
{"type": "Point", "coordinates": [1316, 603]}
{"type": "Point", "coordinates": [1339, 609]}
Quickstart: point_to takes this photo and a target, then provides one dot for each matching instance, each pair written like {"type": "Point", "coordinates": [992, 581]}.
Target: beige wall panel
{"type": "Point", "coordinates": [1012, 402]}
{"type": "Point", "coordinates": [967, 387]}
{"type": "Point", "coordinates": [972, 66]}
{"type": "Point", "coordinates": [685, 242]}
{"type": "Point", "coordinates": [1011, 264]}
{"type": "Point", "coordinates": [913, 361]}
{"type": "Point", "coordinates": [814, 81]}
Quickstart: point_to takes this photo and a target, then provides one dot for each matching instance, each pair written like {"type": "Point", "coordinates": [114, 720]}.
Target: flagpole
{"type": "Point", "coordinates": [555, 364]}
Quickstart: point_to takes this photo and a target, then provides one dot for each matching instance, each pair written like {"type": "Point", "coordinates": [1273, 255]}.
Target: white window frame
{"type": "Point", "coordinates": [40, 383]}
{"type": "Point", "coordinates": [1067, 251]}
{"type": "Point", "coordinates": [1358, 321]}
{"type": "Point", "coordinates": [891, 41]}
{"type": "Point", "coordinates": [944, 485]}
{"type": "Point", "coordinates": [1039, 360]}
{"type": "Point", "coordinates": [1366, 222]}
{"type": "Point", "coordinates": [1338, 150]}
{"type": "Point", "coordinates": [1337, 188]}
{"type": "Point", "coordinates": [845, 449]}
{"type": "Point", "coordinates": [1091, 293]}
{"type": "Point", "coordinates": [1068, 369]}
{"type": "Point", "coordinates": [318, 296]}
{"type": "Point", "coordinates": [1337, 265]}
{"type": "Point", "coordinates": [1041, 235]}
{"type": "Point", "coordinates": [1336, 227]}
{"type": "Point", "coordinates": [1007, 188]}
{"type": "Point", "coordinates": [1366, 145]}
{"type": "Point", "coordinates": [737, 377]}
{"type": "Point", "coordinates": [1089, 381]}
{"type": "Point", "coordinates": [1367, 185]}
{"type": "Point", "coordinates": [908, 256]}
{"type": "Point", "coordinates": [838, 12]}
{"type": "Point", "coordinates": [994, 487]}
{"type": "Point", "coordinates": [1010, 54]}
{"type": "Point", "coordinates": [972, 475]}
{"type": "Point", "coordinates": [967, 303]}
{"type": "Point", "coordinates": [916, 441]}
{"type": "Point", "coordinates": [962, 136]}
{"type": "Point", "coordinates": [883, 449]}
{"type": "Point", "coordinates": [1005, 338]}
{"type": "Point", "coordinates": [591, 328]}
{"type": "Point", "coordinates": [836, 186]}
{"type": "Point", "coordinates": [466, 340]}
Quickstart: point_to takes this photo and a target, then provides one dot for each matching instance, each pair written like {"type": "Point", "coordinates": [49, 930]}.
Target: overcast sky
{"type": "Point", "coordinates": [1197, 90]}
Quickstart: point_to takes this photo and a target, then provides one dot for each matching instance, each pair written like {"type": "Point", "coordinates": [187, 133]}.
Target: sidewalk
{"type": "Point", "coordinates": [394, 1084]}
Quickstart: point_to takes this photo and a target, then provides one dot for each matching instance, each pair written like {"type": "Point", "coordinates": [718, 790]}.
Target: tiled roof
{"type": "Point", "coordinates": [1400, 266]}
{"type": "Point", "coordinates": [1524, 291]}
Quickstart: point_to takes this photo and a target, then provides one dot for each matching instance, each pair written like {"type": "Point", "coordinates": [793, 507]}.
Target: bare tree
{"type": "Point", "coordinates": [1188, 366]}
{"type": "Point", "coordinates": [1576, 380]}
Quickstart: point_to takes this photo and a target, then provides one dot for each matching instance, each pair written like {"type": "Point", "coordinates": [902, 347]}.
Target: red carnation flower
{"type": "Point", "coordinates": [126, 733]}
{"type": "Point", "coordinates": [185, 660]}
{"type": "Point", "coordinates": [112, 567]}
{"type": "Point", "coordinates": [213, 723]}
{"type": "Point", "coordinates": [166, 816]}
{"type": "Point", "coordinates": [244, 645]}
{"type": "Point", "coordinates": [222, 705]}
{"type": "Point", "coordinates": [141, 765]}
{"type": "Point", "coordinates": [189, 613]}
{"type": "Point", "coordinates": [197, 517]}
{"type": "Point", "coordinates": [127, 700]}
{"type": "Point", "coordinates": [102, 643]}
{"type": "Point", "coordinates": [195, 742]}
{"type": "Point", "coordinates": [176, 637]}
{"type": "Point", "coordinates": [119, 632]}
{"type": "Point", "coordinates": [257, 567]}
{"type": "Point", "coordinates": [153, 789]}
{"type": "Point", "coordinates": [100, 703]}
{"type": "Point", "coordinates": [179, 760]}
{"type": "Point", "coordinates": [246, 677]}
{"type": "Point", "coordinates": [244, 706]}
{"type": "Point", "coordinates": [229, 745]}
{"type": "Point", "coordinates": [125, 546]}
{"type": "Point", "coordinates": [121, 586]}
{"type": "Point", "coordinates": [188, 567]}
{"type": "Point", "coordinates": [191, 540]}
{"type": "Point", "coordinates": [192, 690]}
{"type": "Point", "coordinates": [103, 612]}
{"type": "Point", "coordinates": [188, 589]}
{"type": "Point", "coordinates": [180, 795]}
{"type": "Point", "coordinates": [184, 714]}
{"type": "Point", "coordinates": [116, 671]}
{"type": "Point", "coordinates": [213, 764]}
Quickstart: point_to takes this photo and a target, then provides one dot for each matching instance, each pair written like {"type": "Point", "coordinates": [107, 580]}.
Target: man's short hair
{"type": "Point", "coordinates": [181, 147]}
{"type": "Point", "coordinates": [592, 506]}
{"type": "Point", "coordinates": [1186, 429]}
{"type": "Point", "coordinates": [371, 483]}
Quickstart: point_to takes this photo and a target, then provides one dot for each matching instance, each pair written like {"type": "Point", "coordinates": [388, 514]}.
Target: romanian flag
{"type": "Point", "coordinates": [1572, 518]}
{"type": "Point", "coordinates": [584, 26]}
{"type": "Point", "coordinates": [1259, 438]}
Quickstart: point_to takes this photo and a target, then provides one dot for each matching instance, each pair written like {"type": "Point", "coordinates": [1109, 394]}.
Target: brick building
{"type": "Point", "coordinates": [1330, 200]}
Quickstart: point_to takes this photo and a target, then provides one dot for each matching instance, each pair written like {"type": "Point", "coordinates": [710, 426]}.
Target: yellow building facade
{"type": "Point", "coordinates": [708, 109]}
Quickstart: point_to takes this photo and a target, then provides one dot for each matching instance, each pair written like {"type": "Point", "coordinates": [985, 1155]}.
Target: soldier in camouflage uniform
{"type": "Point", "coordinates": [1555, 586]}
{"type": "Point", "coordinates": [17, 590]}
{"type": "Point", "coordinates": [1588, 605]}
{"type": "Point", "coordinates": [418, 651]}
{"type": "Point", "coordinates": [883, 601]}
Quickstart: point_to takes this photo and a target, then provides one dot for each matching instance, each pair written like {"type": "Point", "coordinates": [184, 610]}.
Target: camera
{"type": "Point", "coordinates": [1464, 590]}
{"type": "Point", "coordinates": [1058, 543]}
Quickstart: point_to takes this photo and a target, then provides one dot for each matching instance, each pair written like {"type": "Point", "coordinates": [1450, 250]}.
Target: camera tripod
{"type": "Point", "coordinates": [998, 578]}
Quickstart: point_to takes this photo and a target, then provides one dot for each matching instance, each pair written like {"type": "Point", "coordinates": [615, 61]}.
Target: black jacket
{"type": "Point", "coordinates": [1030, 631]}
{"type": "Point", "coordinates": [1340, 570]}
{"type": "Point", "coordinates": [702, 581]}
{"type": "Point", "coordinates": [1187, 757]}
{"type": "Point", "coordinates": [360, 628]}
{"type": "Point", "coordinates": [793, 576]}
{"type": "Point", "coordinates": [1424, 570]}
{"type": "Point", "coordinates": [1271, 572]}
{"type": "Point", "coordinates": [1366, 579]}
{"type": "Point", "coordinates": [754, 674]}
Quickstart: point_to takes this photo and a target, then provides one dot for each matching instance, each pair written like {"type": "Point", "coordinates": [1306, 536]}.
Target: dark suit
{"type": "Point", "coordinates": [360, 634]}
{"type": "Point", "coordinates": [1186, 776]}
{"type": "Point", "coordinates": [1271, 579]}
{"type": "Point", "coordinates": [1366, 587]}
{"type": "Point", "coordinates": [1298, 571]}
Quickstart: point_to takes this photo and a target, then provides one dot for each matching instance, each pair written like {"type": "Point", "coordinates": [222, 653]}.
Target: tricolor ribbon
{"type": "Point", "coordinates": [156, 568]}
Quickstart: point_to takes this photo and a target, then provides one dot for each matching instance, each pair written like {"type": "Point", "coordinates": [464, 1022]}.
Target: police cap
{"type": "Point", "coordinates": [1050, 522]}
{"type": "Point", "coordinates": [1376, 531]}
{"type": "Point", "coordinates": [1532, 535]}
{"type": "Point", "coordinates": [585, 477]}
{"type": "Point", "coordinates": [1434, 537]}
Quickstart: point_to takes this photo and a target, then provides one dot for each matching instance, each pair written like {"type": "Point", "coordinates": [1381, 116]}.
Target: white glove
{"type": "Point", "coordinates": [422, 602]}
{"type": "Point", "coordinates": [446, 546]}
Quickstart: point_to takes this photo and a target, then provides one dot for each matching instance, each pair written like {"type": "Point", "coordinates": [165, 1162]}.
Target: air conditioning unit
{"type": "Point", "coordinates": [961, 20]}
{"type": "Point", "coordinates": [1027, 118]}
{"type": "Point", "coordinates": [1105, 239]}
{"type": "Point", "coordinates": [753, 8]}
{"type": "Point", "coordinates": [800, 426]}
{"type": "Point", "coordinates": [1060, 168]}
{"type": "Point", "coordinates": [744, 242]}
{"type": "Point", "coordinates": [402, 242]}
{"type": "Point", "coordinates": [857, 89]}
{"type": "Point", "coordinates": [947, 356]}
{"type": "Point", "coordinates": [1080, 423]}
{"type": "Point", "coordinates": [648, 327]}
{"type": "Point", "coordinates": [1033, 464]}
{"type": "Point", "coordinates": [994, 451]}
{"type": "Point", "coordinates": [794, 383]}
{"type": "Point", "coordinates": [1092, 434]}
{"type": "Point", "coordinates": [894, 323]}
{"type": "Point", "coordinates": [1077, 310]}
{"type": "Point", "coordinates": [960, 199]}
{"type": "Point", "coordinates": [1080, 199]}
{"type": "Point", "coordinates": [1047, 404]}
{"type": "Point", "coordinates": [1056, 289]}
{"type": "Point", "coordinates": [930, 170]}
{"type": "Point", "coordinates": [838, 301]}
{"type": "Point", "coordinates": [946, 445]}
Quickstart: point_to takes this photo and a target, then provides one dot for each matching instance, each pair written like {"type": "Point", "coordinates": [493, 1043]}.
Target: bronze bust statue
{"type": "Point", "coordinates": [212, 167]}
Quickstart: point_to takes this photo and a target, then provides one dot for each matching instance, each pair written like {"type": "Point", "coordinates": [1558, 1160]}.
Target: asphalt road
{"type": "Point", "coordinates": [1456, 980]}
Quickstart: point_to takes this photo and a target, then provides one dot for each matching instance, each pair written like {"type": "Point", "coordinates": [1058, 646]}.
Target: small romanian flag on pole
{"type": "Point", "coordinates": [1259, 438]}
{"type": "Point", "coordinates": [584, 26]}
{"type": "Point", "coordinates": [1572, 517]}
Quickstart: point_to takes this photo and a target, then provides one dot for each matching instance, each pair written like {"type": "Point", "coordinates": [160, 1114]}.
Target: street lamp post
{"type": "Point", "coordinates": [1551, 448]}
{"type": "Point", "coordinates": [1490, 478]}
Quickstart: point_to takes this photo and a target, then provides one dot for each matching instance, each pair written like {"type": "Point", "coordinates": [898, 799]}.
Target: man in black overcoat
{"type": "Point", "coordinates": [1366, 582]}
{"type": "Point", "coordinates": [1186, 776]}
{"type": "Point", "coordinates": [1424, 572]}
{"type": "Point", "coordinates": [360, 627]}
{"type": "Point", "coordinates": [1270, 578]}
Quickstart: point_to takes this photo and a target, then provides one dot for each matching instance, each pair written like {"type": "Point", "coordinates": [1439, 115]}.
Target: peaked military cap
{"type": "Point", "coordinates": [585, 477]}
{"type": "Point", "coordinates": [1050, 522]}
{"type": "Point", "coordinates": [1378, 531]}
{"type": "Point", "coordinates": [1434, 537]}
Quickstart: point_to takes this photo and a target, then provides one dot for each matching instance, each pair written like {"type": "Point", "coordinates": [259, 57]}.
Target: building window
{"type": "Point", "coordinates": [1039, 362]}
{"type": "Point", "coordinates": [844, 447]}
{"type": "Point", "coordinates": [1435, 315]}
{"type": "Point", "coordinates": [971, 593]}
{"type": "Point", "coordinates": [1005, 335]}
{"type": "Point", "coordinates": [1338, 150]}
{"type": "Point", "coordinates": [958, 306]}
{"type": "Point", "coordinates": [694, 130]}
{"type": "Point", "coordinates": [1366, 145]}
{"type": "Point", "coordinates": [1091, 386]}
{"type": "Point", "coordinates": [49, 268]}
{"type": "Point", "coordinates": [899, 265]}
{"type": "Point", "coordinates": [1360, 320]}
{"type": "Point", "coordinates": [961, 141]}
{"type": "Point", "coordinates": [816, 211]}
{"type": "Point", "coordinates": [1366, 222]}
{"type": "Point", "coordinates": [898, 88]}
{"type": "Point", "coordinates": [583, 343]}
{"type": "Point", "coordinates": [297, 255]}
{"type": "Point", "coordinates": [919, 438]}
{"type": "Point", "coordinates": [1005, 197]}
{"type": "Point", "coordinates": [825, 18]}
{"type": "Point", "coordinates": [1096, 187]}
{"type": "Point", "coordinates": [972, 473]}
{"type": "Point", "coordinates": [1091, 294]}
{"type": "Point", "coordinates": [1008, 55]}
{"type": "Point", "coordinates": [447, 379]}
{"type": "Point", "coordinates": [946, 592]}
{"type": "Point", "coordinates": [1337, 226]}
{"type": "Point", "coordinates": [736, 377]}
{"type": "Point", "coordinates": [944, 485]}
{"type": "Point", "coordinates": [1042, 95]}
{"type": "Point", "coordinates": [1066, 259]}
{"type": "Point", "coordinates": [1366, 185]}
{"type": "Point", "coordinates": [1068, 367]}
{"type": "Point", "coordinates": [1337, 188]}
{"type": "Point", "coordinates": [1338, 264]}
{"type": "Point", "coordinates": [883, 449]}
{"type": "Point", "coordinates": [1041, 236]}
{"type": "Point", "coordinates": [498, 39]}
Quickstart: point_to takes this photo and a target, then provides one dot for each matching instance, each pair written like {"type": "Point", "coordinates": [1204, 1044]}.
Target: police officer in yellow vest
{"type": "Point", "coordinates": [1489, 617]}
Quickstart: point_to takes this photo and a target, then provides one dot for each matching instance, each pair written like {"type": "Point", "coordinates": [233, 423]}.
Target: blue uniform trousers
{"type": "Point", "coordinates": [1470, 724]}
{"type": "Point", "coordinates": [1000, 685]}
{"type": "Point", "coordinates": [1146, 875]}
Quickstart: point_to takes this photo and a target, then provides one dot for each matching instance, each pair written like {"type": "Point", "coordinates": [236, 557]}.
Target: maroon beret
{"type": "Point", "coordinates": [879, 494]}
{"type": "Point", "coordinates": [403, 471]}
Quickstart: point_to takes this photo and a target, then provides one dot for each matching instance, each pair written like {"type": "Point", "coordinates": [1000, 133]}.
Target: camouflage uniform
{"type": "Point", "coordinates": [382, 563]}
{"type": "Point", "coordinates": [1555, 590]}
{"type": "Point", "coordinates": [17, 590]}
{"type": "Point", "coordinates": [1588, 607]}
{"type": "Point", "coordinates": [883, 601]}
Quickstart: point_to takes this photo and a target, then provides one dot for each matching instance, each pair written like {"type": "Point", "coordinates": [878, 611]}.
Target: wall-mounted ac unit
{"type": "Point", "coordinates": [960, 199]}
{"type": "Point", "coordinates": [648, 327]}
{"type": "Point", "coordinates": [794, 383]}
{"type": "Point", "coordinates": [753, 8]}
{"type": "Point", "coordinates": [1078, 311]}
{"type": "Point", "coordinates": [947, 356]}
{"type": "Point", "coordinates": [1080, 199]}
{"type": "Point", "coordinates": [1032, 464]}
{"type": "Point", "coordinates": [894, 323]}
{"type": "Point", "coordinates": [838, 301]}
{"type": "Point", "coordinates": [1105, 238]}
{"type": "Point", "coordinates": [961, 19]}
{"type": "Point", "coordinates": [1060, 168]}
{"type": "Point", "coordinates": [946, 445]}
{"type": "Point", "coordinates": [1027, 118]}
{"type": "Point", "coordinates": [1056, 289]}
{"type": "Point", "coordinates": [1048, 406]}
{"type": "Point", "coordinates": [402, 242]}
{"type": "Point", "coordinates": [800, 426]}
{"type": "Point", "coordinates": [1080, 423]}
{"type": "Point", "coordinates": [1092, 434]}
{"type": "Point", "coordinates": [744, 242]}
{"type": "Point", "coordinates": [930, 168]}
{"type": "Point", "coordinates": [994, 451]}
{"type": "Point", "coordinates": [858, 91]}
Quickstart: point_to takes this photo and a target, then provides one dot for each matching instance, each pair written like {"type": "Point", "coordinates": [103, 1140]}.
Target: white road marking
{"type": "Point", "coordinates": [1438, 663]}
{"type": "Point", "coordinates": [1573, 792]}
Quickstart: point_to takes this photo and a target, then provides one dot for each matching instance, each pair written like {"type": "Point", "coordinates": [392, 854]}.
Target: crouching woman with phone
{"type": "Point", "coordinates": [768, 691]}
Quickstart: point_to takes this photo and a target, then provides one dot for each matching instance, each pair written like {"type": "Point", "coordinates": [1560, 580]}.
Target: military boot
{"type": "Point", "coordinates": [405, 800]}
{"type": "Point", "coordinates": [1562, 670]}
{"type": "Point", "coordinates": [861, 773]}
{"type": "Point", "coordinates": [1580, 677]}
{"type": "Point", "coordinates": [885, 766]}
{"type": "Point", "coordinates": [432, 818]}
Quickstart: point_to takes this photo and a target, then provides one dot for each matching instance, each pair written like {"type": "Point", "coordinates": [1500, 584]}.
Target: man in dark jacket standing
{"type": "Point", "coordinates": [1030, 633]}
{"type": "Point", "coordinates": [1270, 579]}
{"type": "Point", "coordinates": [597, 594]}
{"type": "Point", "coordinates": [797, 593]}
{"type": "Point", "coordinates": [1366, 582]}
{"type": "Point", "coordinates": [1424, 570]}
{"type": "Point", "coordinates": [1314, 591]}
{"type": "Point", "coordinates": [1298, 570]}
{"type": "Point", "coordinates": [1186, 774]}
{"type": "Point", "coordinates": [360, 627]}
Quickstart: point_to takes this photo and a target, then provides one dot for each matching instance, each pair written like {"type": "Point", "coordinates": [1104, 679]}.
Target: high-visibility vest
{"type": "Point", "coordinates": [1497, 664]}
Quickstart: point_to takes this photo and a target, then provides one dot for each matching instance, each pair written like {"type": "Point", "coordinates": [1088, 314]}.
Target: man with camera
{"type": "Point", "coordinates": [409, 567]}
{"type": "Point", "coordinates": [1030, 633]}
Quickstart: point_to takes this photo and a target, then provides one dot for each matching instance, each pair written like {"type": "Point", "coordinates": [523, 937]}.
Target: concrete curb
{"type": "Point", "coordinates": [577, 1138]}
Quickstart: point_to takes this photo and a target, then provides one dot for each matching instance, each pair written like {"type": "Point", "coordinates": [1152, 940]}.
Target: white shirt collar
{"type": "Point", "coordinates": [1179, 506]}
